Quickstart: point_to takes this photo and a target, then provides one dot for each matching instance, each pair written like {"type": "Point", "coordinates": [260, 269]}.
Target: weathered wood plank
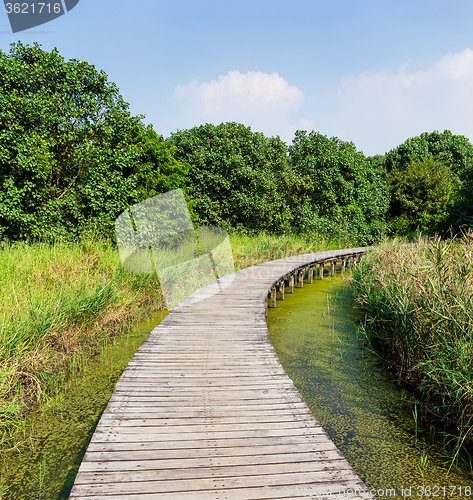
{"type": "Point", "coordinates": [293, 490]}
{"type": "Point", "coordinates": [178, 458]}
{"type": "Point", "coordinates": [209, 472]}
{"type": "Point", "coordinates": [278, 478]}
{"type": "Point", "coordinates": [204, 461]}
{"type": "Point", "coordinates": [106, 435]}
{"type": "Point", "coordinates": [219, 445]}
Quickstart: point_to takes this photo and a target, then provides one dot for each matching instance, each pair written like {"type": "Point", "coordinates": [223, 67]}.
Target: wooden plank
{"type": "Point", "coordinates": [106, 435]}
{"type": "Point", "coordinates": [209, 472]}
{"type": "Point", "coordinates": [239, 446]}
{"type": "Point", "coordinates": [140, 422]}
{"type": "Point", "coordinates": [199, 461]}
{"type": "Point", "coordinates": [193, 412]}
{"type": "Point", "coordinates": [294, 491]}
{"type": "Point", "coordinates": [278, 478]}
{"type": "Point", "coordinates": [204, 409]}
{"type": "Point", "coordinates": [234, 455]}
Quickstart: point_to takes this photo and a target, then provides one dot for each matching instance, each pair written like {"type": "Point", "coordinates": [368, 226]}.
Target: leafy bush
{"type": "Point", "coordinates": [237, 178]}
{"type": "Point", "coordinates": [455, 150]}
{"type": "Point", "coordinates": [456, 153]}
{"type": "Point", "coordinates": [71, 155]}
{"type": "Point", "coordinates": [420, 195]}
{"type": "Point", "coordinates": [337, 189]}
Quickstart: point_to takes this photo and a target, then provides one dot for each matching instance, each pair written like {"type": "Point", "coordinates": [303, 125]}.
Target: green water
{"type": "Point", "coordinates": [61, 432]}
{"type": "Point", "coordinates": [359, 407]}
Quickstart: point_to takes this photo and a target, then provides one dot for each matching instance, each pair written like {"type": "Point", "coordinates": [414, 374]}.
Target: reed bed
{"type": "Point", "coordinates": [418, 304]}
{"type": "Point", "coordinates": [59, 305]}
{"type": "Point", "coordinates": [62, 303]}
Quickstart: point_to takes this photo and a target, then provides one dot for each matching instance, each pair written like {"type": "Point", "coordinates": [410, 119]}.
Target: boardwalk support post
{"type": "Point", "coordinates": [282, 284]}
{"type": "Point", "coordinates": [321, 270]}
{"type": "Point", "coordinates": [291, 283]}
{"type": "Point", "coordinates": [301, 278]}
{"type": "Point", "coordinates": [273, 297]}
{"type": "Point", "coordinates": [332, 268]}
{"type": "Point", "coordinates": [344, 263]}
{"type": "Point", "coordinates": [311, 274]}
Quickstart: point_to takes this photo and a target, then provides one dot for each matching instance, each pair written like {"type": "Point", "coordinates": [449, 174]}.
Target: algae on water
{"type": "Point", "coordinates": [357, 405]}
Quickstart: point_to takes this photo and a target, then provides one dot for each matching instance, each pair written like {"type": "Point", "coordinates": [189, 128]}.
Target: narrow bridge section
{"type": "Point", "coordinates": [205, 411]}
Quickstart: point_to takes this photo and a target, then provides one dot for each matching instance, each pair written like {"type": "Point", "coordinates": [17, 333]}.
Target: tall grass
{"type": "Point", "coordinates": [61, 303]}
{"type": "Point", "coordinates": [418, 301]}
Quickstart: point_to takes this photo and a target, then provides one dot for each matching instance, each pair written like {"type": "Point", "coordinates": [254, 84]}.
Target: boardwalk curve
{"type": "Point", "coordinates": [205, 411]}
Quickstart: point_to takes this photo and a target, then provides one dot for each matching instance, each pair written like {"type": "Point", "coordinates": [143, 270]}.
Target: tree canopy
{"type": "Point", "coordinates": [337, 189]}
{"type": "Point", "coordinates": [456, 151]}
{"type": "Point", "coordinates": [237, 178]}
{"type": "Point", "coordinates": [435, 171]}
{"type": "Point", "coordinates": [421, 195]}
{"type": "Point", "coordinates": [244, 180]}
{"type": "Point", "coordinates": [72, 157]}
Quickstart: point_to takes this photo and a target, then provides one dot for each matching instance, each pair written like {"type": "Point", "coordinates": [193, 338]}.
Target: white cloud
{"type": "Point", "coordinates": [377, 108]}
{"type": "Point", "coordinates": [305, 124]}
{"type": "Point", "coordinates": [260, 100]}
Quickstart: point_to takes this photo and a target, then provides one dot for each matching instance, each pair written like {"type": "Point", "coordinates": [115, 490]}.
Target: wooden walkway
{"type": "Point", "coordinates": [205, 411]}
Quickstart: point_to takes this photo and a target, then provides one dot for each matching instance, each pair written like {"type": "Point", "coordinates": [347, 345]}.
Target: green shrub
{"type": "Point", "coordinates": [72, 158]}
{"type": "Point", "coordinates": [455, 152]}
{"type": "Point", "coordinates": [341, 192]}
{"type": "Point", "coordinates": [420, 195]}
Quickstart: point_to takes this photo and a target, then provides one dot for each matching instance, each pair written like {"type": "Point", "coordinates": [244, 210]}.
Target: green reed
{"type": "Point", "coordinates": [418, 304]}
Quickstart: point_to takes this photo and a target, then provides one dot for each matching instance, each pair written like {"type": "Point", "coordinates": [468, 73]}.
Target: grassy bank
{"type": "Point", "coordinates": [418, 302]}
{"type": "Point", "coordinates": [60, 304]}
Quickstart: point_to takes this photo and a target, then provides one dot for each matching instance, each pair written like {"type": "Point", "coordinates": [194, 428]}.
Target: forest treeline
{"type": "Point", "coordinates": [72, 158]}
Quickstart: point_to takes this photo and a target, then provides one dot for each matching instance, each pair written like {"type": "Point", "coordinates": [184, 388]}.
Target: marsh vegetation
{"type": "Point", "coordinates": [418, 305]}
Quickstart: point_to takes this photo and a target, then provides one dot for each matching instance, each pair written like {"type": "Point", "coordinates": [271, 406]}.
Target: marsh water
{"type": "Point", "coordinates": [61, 431]}
{"type": "Point", "coordinates": [362, 411]}
{"type": "Point", "coordinates": [314, 334]}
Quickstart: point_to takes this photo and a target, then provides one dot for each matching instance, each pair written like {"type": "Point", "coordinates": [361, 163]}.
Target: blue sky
{"type": "Point", "coordinates": [374, 72]}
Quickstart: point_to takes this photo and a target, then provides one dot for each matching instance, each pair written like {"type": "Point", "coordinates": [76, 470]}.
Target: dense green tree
{"type": "Point", "coordinates": [71, 155]}
{"type": "Point", "coordinates": [237, 178]}
{"type": "Point", "coordinates": [420, 195]}
{"type": "Point", "coordinates": [337, 189]}
{"type": "Point", "coordinates": [455, 152]}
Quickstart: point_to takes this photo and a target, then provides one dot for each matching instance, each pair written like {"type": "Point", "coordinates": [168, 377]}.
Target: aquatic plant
{"type": "Point", "coordinates": [418, 301]}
